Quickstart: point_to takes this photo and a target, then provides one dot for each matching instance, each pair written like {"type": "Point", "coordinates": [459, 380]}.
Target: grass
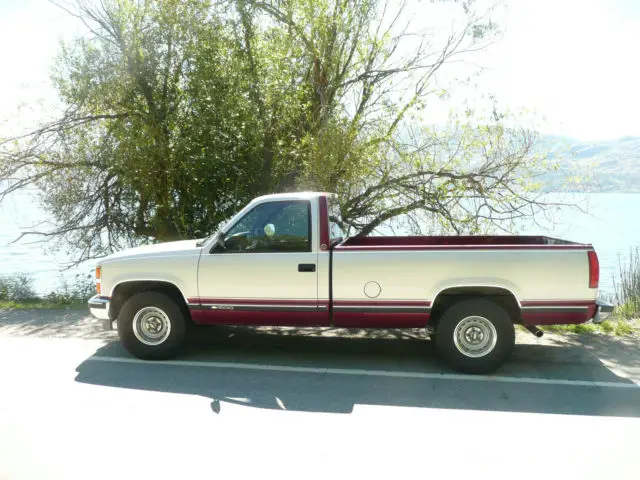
{"type": "Point", "coordinates": [624, 321]}
{"type": "Point", "coordinates": [40, 305]}
{"type": "Point", "coordinates": [627, 286]}
{"type": "Point", "coordinates": [628, 310]}
{"type": "Point", "coordinates": [617, 326]}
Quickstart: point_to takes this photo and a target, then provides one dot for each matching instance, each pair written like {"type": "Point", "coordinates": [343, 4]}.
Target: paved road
{"type": "Point", "coordinates": [246, 404]}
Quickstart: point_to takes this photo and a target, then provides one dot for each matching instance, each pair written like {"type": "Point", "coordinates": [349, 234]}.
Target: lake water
{"type": "Point", "coordinates": [612, 225]}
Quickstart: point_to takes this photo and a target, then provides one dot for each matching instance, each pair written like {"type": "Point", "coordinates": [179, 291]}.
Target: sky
{"type": "Point", "coordinates": [573, 64]}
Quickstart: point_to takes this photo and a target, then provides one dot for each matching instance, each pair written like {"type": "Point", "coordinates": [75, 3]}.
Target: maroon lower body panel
{"type": "Point", "coordinates": [362, 314]}
{"type": "Point", "coordinates": [381, 314]}
{"type": "Point", "coordinates": [272, 318]}
{"type": "Point", "coordinates": [557, 313]}
{"type": "Point", "coordinates": [279, 313]}
{"type": "Point", "coordinates": [356, 319]}
{"type": "Point", "coordinates": [351, 314]}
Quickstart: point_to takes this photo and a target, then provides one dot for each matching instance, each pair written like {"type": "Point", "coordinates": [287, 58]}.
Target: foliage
{"type": "Point", "coordinates": [623, 327]}
{"type": "Point", "coordinates": [577, 328]}
{"type": "Point", "coordinates": [17, 291]}
{"type": "Point", "coordinates": [627, 287]}
{"type": "Point", "coordinates": [614, 326]}
{"type": "Point", "coordinates": [79, 290]}
{"type": "Point", "coordinates": [17, 288]}
{"type": "Point", "coordinates": [178, 112]}
{"type": "Point", "coordinates": [39, 304]}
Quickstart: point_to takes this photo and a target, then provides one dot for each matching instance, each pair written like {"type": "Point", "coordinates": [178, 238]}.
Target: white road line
{"type": "Point", "coordinates": [370, 373]}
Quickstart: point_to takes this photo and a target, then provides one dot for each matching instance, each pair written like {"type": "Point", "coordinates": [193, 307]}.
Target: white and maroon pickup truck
{"type": "Point", "coordinates": [283, 261]}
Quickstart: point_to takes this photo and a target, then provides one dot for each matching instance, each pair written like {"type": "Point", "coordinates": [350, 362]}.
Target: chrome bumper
{"type": "Point", "coordinates": [99, 308]}
{"type": "Point", "coordinates": [603, 310]}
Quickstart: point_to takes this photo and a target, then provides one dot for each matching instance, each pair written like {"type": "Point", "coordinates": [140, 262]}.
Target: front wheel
{"type": "Point", "coordinates": [151, 326]}
{"type": "Point", "coordinates": [475, 336]}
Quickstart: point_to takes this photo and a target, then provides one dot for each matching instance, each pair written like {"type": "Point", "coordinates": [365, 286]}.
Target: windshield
{"type": "Point", "coordinates": [221, 229]}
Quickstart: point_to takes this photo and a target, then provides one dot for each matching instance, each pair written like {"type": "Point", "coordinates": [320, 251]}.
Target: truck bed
{"type": "Point", "coordinates": [459, 242]}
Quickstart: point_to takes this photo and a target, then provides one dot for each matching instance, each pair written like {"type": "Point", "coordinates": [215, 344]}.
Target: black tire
{"type": "Point", "coordinates": [493, 358]}
{"type": "Point", "coordinates": [167, 346]}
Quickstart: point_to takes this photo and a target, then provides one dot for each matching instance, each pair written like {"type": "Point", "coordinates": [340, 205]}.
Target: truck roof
{"type": "Point", "coordinates": [290, 196]}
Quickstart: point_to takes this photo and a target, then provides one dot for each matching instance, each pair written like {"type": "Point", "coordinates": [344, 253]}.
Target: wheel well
{"type": "Point", "coordinates": [126, 290]}
{"type": "Point", "coordinates": [448, 297]}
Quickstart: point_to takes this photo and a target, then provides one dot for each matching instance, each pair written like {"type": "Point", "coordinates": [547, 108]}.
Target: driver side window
{"type": "Point", "coordinates": [283, 226]}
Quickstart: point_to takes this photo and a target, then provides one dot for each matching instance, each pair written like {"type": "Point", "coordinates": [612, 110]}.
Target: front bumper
{"type": "Point", "coordinates": [603, 310]}
{"type": "Point", "coordinates": [99, 308]}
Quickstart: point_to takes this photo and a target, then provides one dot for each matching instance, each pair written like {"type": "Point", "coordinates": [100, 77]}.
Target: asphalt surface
{"type": "Point", "coordinates": [243, 403]}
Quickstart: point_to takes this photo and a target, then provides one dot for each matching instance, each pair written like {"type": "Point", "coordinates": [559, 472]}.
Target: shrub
{"type": "Point", "coordinates": [627, 287]}
{"type": "Point", "coordinates": [79, 290]}
{"type": "Point", "coordinates": [17, 288]}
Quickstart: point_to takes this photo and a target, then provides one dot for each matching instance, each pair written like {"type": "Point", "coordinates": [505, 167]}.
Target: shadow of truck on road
{"type": "Point", "coordinates": [339, 373]}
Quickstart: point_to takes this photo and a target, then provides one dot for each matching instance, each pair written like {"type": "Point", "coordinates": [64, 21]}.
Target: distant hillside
{"type": "Point", "coordinates": [612, 166]}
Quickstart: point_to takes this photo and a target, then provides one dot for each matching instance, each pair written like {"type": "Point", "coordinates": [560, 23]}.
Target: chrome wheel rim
{"type": "Point", "coordinates": [151, 326]}
{"type": "Point", "coordinates": [475, 336]}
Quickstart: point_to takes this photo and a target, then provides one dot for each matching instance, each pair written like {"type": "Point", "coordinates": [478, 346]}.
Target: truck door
{"type": "Point", "coordinates": [265, 272]}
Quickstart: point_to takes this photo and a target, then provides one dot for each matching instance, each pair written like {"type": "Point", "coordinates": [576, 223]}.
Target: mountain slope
{"type": "Point", "coordinates": [611, 166]}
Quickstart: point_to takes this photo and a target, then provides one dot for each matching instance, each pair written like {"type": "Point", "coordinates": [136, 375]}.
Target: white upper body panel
{"type": "Point", "coordinates": [531, 274]}
{"type": "Point", "coordinates": [173, 262]}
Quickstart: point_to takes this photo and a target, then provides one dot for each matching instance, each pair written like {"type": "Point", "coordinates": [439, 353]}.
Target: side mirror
{"type": "Point", "coordinates": [220, 240]}
{"type": "Point", "coordinates": [220, 244]}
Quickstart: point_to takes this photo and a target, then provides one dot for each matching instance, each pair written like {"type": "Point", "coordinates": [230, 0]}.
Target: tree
{"type": "Point", "coordinates": [128, 159]}
{"type": "Point", "coordinates": [177, 112]}
{"type": "Point", "coordinates": [360, 129]}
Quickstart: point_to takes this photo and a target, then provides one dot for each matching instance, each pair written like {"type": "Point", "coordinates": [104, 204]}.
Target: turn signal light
{"type": "Point", "coordinates": [594, 269]}
{"type": "Point", "coordinates": [98, 282]}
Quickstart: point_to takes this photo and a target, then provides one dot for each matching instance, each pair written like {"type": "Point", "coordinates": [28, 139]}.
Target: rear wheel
{"type": "Point", "coordinates": [475, 336]}
{"type": "Point", "coordinates": [151, 326]}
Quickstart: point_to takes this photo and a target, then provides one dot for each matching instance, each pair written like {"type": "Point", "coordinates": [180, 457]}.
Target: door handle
{"type": "Point", "coordinates": [306, 267]}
